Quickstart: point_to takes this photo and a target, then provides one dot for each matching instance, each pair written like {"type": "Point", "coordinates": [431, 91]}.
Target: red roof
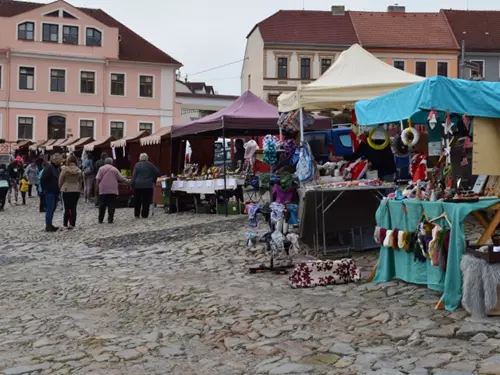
{"type": "Point", "coordinates": [133, 47]}
{"type": "Point", "coordinates": [307, 27]}
{"type": "Point", "coordinates": [403, 30]}
{"type": "Point", "coordinates": [480, 29]}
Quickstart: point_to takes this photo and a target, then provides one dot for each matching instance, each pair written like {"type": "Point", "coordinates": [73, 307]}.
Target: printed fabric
{"type": "Point", "coordinates": [270, 149]}
{"type": "Point", "coordinates": [277, 210]}
{"type": "Point", "coordinates": [322, 273]}
{"type": "Point", "coordinates": [253, 218]}
{"type": "Point", "coordinates": [305, 166]}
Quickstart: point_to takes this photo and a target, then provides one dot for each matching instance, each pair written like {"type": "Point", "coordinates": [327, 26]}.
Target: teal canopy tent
{"type": "Point", "coordinates": [476, 98]}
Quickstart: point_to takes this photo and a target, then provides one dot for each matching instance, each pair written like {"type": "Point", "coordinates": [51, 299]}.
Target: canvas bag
{"type": "Point", "coordinates": [306, 167]}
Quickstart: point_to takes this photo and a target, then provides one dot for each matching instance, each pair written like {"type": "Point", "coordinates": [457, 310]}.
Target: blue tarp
{"type": "Point", "coordinates": [476, 98]}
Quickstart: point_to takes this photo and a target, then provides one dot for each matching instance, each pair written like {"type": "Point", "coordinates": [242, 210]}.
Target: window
{"type": "Point", "coordinates": [272, 99]}
{"type": "Point", "coordinates": [118, 84]}
{"type": "Point", "coordinates": [67, 15]}
{"type": "Point", "coordinates": [325, 64]}
{"type": "Point", "coordinates": [55, 13]}
{"type": "Point", "coordinates": [479, 72]}
{"type": "Point", "coordinates": [26, 78]}
{"type": "Point", "coordinates": [94, 37]}
{"type": "Point", "coordinates": [87, 82]}
{"type": "Point", "coordinates": [399, 64]}
{"type": "Point", "coordinates": [421, 68]}
{"type": "Point", "coordinates": [442, 69]}
{"type": "Point", "coordinates": [86, 128]}
{"type": "Point", "coordinates": [249, 82]}
{"type": "Point", "coordinates": [146, 86]}
{"type": "Point", "coordinates": [26, 31]}
{"type": "Point", "coordinates": [50, 33]}
{"type": "Point", "coordinates": [25, 128]}
{"type": "Point", "coordinates": [146, 126]}
{"type": "Point", "coordinates": [346, 140]}
{"type": "Point", "coordinates": [283, 67]}
{"type": "Point", "coordinates": [70, 34]}
{"type": "Point", "coordinates": [116, 129]}
{"type": "Point", "coordinates": [57, 80]}
{"type": "Point", "coordinates": [305, 68]}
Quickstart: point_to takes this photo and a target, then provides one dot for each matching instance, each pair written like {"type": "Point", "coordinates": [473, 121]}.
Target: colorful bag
{"type": "Point", "coordinates": [306, 167]}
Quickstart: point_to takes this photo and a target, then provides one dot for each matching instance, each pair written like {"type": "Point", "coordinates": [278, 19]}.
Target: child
{"type": "Point", "coordinates": [4, 185]}
{"type": "Point", "coordinates": [24, 187]}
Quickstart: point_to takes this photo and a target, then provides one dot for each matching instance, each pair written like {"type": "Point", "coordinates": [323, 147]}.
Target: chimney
{"type": "Point", "coordinates": [396, 8]}
{"type": "Point", "coordinates": [338, 10]}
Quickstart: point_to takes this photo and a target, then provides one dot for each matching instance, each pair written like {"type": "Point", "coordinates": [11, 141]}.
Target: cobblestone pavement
{"type": "Point", "coordinates": [171, 295]}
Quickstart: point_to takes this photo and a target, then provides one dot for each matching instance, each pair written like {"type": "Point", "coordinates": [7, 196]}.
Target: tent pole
{"type": "Point", "coordinates": [301, 125]}
{"type": "Point", "coordinates": [225, 169]}
{"type": "Point", "coordinates": [170, 175]}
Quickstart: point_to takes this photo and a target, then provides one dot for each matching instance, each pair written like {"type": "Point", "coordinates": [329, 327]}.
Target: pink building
{"type": "Point", "coordinates": [67, 71]}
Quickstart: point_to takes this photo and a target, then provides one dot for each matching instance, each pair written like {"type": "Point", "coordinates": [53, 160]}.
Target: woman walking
{"type": "Point", "coordinates": [88, 178]}
{"type": "Point", "coordinates": [31, 174]}
{"type": "Point", "coordinates": [70, 181]}
{"type": "Point", "coordinates": [108, 179]}
{"type": "Point", "coordinates": [143, 180]}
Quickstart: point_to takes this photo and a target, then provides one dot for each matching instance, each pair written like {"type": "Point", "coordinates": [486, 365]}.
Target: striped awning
{"type": "Point", "coordinates": [100, 142]}
{"type": "Point", "coordinates": [155, 139]}
{"type": "Point", "coordinates": [68, 142]}
{"type": "Point", "coordinates": [131, 138]}
{"type": "Point", "coordinates": [79, 144]}
{"type": "Point", "coordinates": [37, 144]}
{"type": "Point", "coordinates": [50, 142]}
{"type": "Point", "coordinates": [57, 143]}
{"type": "Point", "coordinates": [23, 144]}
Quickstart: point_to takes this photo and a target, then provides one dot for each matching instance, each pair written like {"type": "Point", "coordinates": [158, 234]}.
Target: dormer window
{"type": "Point", "coordinates": [93, 37]}
{"type": "Point", "coordinates": [55, 13]}
{"type": "Point", "coordinates": [68, 15]}
{"type": "Point", "coordinates": [70, 34]}
{"type": "Point", "coordinates": [50, 33]}
{"type": "Point", "coordinates": [26, 31]}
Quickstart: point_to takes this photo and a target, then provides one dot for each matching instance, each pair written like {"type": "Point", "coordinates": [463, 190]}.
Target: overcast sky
{"type": "Point", "coordinates": [203, 34]}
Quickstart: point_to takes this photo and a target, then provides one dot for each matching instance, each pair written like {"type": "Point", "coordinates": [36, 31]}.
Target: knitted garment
{"type": "Point", "coordinates": [270, 149]}
{"type": "Point", "coordinates": [289, 146]}
{"type": "Point", "coordinates": [293, 210]}
{"type": "Point", "coordinates": [277, 242]}
{"type": "Point", "coordinates": [277, 212]}
{"type": "Point", "coordinates": [294, 243]}
{"type": "Point", "coordinates": [253, 218]}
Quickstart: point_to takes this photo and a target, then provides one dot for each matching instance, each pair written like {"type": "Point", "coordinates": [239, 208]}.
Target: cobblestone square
{"type": "Point", "coordinates": [172, 295]}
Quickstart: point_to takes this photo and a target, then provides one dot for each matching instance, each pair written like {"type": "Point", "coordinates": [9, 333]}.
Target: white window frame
{"type": "Point", "coordinates": [34, 31]}
{"type": "Point", "coordinates": [484, 67]}
{"type": "Point", "coordinates": [146, 122]}
{"type": "Point", "coordinates": [87, 119]}
{"type": "Point", "coordinates": [19, 74]}
{"type": "Point", "coordinates": [34, 126]}
{"type": "Point", "coordinates": [426, 67]}
{"type": "Point", "coordinates": [80, 80]}
{"type": "Point", "coordinates": [124, 84]}
{"type": "Point", "coordinates": [399, 60]}
{"type": "Point", "coordinates": [139, 85]}
{"type": "Point", "coordinates": [59, 32]}
{"type": "Point", "coordinates": [447, 67]}
{"type": "Point", "coordinates": [70, 25]}
{"type": "Point", "coordinates": [1, 76]}
{"type": "Point", "coordinates": [1, 126]}
{"type": "Point", "coordinates": [65, 80]}
{"type": "Point", "coordinates": [98, 29]}
{"type": "Point", "coordinates": [124, 127]}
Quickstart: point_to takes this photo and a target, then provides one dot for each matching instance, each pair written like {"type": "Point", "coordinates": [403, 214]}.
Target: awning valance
{"type": "Point", "coordinates": [131, 138]}
{"type": "Point", "coordinates": [79, 144]}
{"type": "Point", "coordinates": [155, 139]}
{"type": "Point", "coordinates": [35, 146]}
{"type": "Point", "coordinates": [98, 143]}
{"type": "Point", "coordinates": [57, 143]}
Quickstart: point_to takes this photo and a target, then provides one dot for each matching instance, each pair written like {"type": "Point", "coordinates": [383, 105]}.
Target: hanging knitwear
{"type": "Point", "coordinates": [270, 149]}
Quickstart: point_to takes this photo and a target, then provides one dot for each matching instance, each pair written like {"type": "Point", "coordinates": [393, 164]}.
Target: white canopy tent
{"type": "Point", "coordinates": [355, 75]}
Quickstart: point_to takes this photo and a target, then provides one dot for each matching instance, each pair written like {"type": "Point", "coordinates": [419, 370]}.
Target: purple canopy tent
{"type": "Point", "coordinates": [247, 114]}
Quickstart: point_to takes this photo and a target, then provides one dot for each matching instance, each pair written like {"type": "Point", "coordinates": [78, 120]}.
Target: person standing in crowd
{"type": "Point", "coordinates": [108, 179]}
{"type": "Point", "coordinates": [31, 174]}
{"type": "Point", "coordinates": [4, 185]}
{"type": "Point", "coordinates": [88, 178]}
{"type": "Point", "coordinates": [143, 180]}
{"type": "Point", "coordinates": [98, 164]}
{"type": "Point", "coordinates": [14, 171]}
{"type": "Point", "coordinates": [41, 194]}
{"type": "Point", "coordinates": [24, 186]}
{"type": "Point", "coordinates": [50, 184]}
{"type": "Point", "coordinates": [70, 182]}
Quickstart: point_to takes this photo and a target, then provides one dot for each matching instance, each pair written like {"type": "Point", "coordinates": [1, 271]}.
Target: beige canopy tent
{"type": "Point", "coordinates": [100, 142]}
{"type": "Point", "coordinates": [131, 138]}
{"type": "Point", "coordinates": [155, 138]}
{"type": "Point", "coordinates": [355, 75]}
{"type": "Point", "coordinates": [79, 144]}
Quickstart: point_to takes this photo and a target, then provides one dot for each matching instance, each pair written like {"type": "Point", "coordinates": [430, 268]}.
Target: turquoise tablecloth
{"type": "Point", "coordinates": [400, 264]}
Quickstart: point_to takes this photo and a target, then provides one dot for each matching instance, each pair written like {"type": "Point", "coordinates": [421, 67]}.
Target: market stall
{"type": "Point", "coordinates": [78, 145]}
{"type": "Point", "coordinates": [57, 145]}
{"type": "Point", "coordinates": [428, 218]}
{"type": "Point", "coordinates": [126, 155]}
{"type": "Point", "coordinates": [100, 145]}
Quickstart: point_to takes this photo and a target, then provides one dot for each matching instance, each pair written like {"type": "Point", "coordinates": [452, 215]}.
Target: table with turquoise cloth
{"type": "Point", "coordinates": [405, 215]}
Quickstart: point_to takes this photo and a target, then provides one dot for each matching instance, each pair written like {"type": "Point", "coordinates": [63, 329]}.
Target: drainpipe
{"type": "Point", "coordinates": [104, 96]}
{"type": "Point", "coordinates": [462, 59]}
{"type": "Point", "coordinates": [8, 88]}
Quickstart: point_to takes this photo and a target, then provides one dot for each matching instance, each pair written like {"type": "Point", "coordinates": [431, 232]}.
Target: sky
{"type": "Point", "coordinates": [204, 34]}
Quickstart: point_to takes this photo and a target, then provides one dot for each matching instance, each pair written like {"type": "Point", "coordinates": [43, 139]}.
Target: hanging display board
{"type": "Point", "coordinates": [486, 153]}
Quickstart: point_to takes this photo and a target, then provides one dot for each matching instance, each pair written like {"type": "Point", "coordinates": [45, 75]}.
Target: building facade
{"type": "Point", "coordinates": [67, 71]}
{"type": "Point", "coordinates": [479, 31]}
{"type": "Point", "coordinates": [296, 47]}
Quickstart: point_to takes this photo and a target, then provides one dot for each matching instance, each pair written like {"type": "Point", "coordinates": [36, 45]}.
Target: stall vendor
{"type": "Point", "coordinates": [380, 160]}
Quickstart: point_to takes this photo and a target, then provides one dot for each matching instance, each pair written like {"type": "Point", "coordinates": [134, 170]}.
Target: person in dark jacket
{"type": "Point", "coordinates": [15, 172]}
{"type": "Point", "coordinates": [50, 185]}
{"type": "Point", "coordinates": [380, 160]}
{"type": "Point", "coordinates": [98, 164]}
{"type": "Point", "coordinates": [4, 185]}
{"type": "Point", "coordinates": [143, 180]}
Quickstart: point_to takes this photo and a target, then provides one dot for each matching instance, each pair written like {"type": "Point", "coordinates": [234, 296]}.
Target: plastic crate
{"type": "Point", "coordinates": [233, 209]}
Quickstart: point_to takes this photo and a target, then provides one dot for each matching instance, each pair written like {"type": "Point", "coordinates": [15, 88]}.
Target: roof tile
{"type": "Point", "coordinates": [133, 47]}
{"type": "Point", "coordinates": [403, 30]}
